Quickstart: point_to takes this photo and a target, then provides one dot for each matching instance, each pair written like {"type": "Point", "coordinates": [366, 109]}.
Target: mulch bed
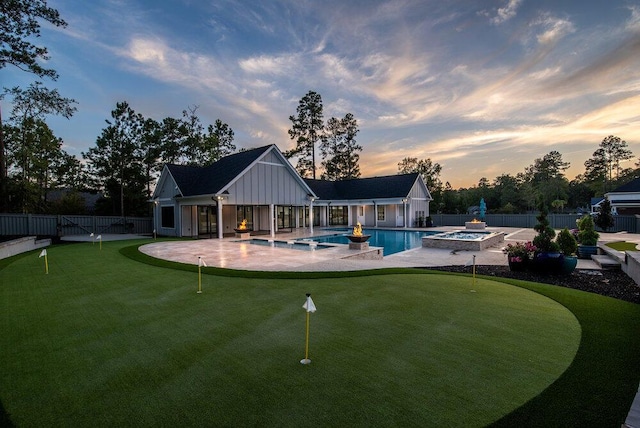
{"type": "Point", "coordinates": [611, 283]}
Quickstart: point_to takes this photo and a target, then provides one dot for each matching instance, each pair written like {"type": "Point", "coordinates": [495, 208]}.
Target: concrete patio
{"type": "Point", "coordinates": [232, 254]}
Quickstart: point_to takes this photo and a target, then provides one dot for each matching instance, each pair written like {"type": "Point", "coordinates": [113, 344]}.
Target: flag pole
{"type": "Point", "coordinates": [43, 253]}
{"type": "Point", "coordinates": [199, 275]}
{"type": "Point", "coordinates": [474, 270]}
{"type": "Point", "coordinates": [306, 344]}
{"type": "Point", "coordinates": [309, 306]}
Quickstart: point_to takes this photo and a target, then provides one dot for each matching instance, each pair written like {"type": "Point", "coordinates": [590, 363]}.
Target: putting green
{"type": "Point", "coordinates": [104, 340]}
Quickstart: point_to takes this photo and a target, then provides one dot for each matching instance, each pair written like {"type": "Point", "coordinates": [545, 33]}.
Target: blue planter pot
{"type": "Point", "coordinates": [569, 265]}
{"type": "Point", "coordinates": [551, 263]}
{"type": "Point", "coordinates": [586, 251]}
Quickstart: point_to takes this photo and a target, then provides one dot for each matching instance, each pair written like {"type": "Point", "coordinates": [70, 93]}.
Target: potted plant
{"type": "Point", "coordinates": [428, 222]}
{"type": "Point", "coordinates": [519, 255]}
{"type": "Point", "coordinates": [548, 258]}
{"type": "Point", "coordinates": [587, 238]}
{"type": "Point", "coordinates": [568, 247]}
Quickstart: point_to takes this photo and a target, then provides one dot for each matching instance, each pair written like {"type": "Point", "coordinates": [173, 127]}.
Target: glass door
{"type": "Point", "coordinates": [207, 224]}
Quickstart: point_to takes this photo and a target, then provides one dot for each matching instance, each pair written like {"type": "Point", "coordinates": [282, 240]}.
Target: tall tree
{"type": "Point", "coordinates": [605, 161]}
{"type": "Point", "coordinates": [151, 151]}
{"type": "Point", "coordinates": [429, 171]}
{"type": "Point", "coordinates": [29, 137]}
{"type": "Point", "coordinates": [340, 150]}
{"type": "Point", "coordinates": [547, 179]}
{"type": "Point", "coordinates": [204, 149]}
{"type": "Point", "coordinates": [307, 129]}
{"type": "Point", "coordinates": [33, 153]}
{"type": "Point", "coordinates": [217, 143]}
{"type": "Point", "coordinates": [19, 27]}
{"type": "Point", "coordinates": [116, 161]}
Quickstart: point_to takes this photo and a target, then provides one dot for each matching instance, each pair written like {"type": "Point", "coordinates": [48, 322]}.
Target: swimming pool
{"type": "Point", "coordinates": [393, 241]}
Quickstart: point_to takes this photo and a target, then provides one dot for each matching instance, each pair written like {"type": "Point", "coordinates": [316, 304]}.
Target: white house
{"type": "Point", "coordinates": [625, 200]}
{"type": "Point", "coordinates": [262, 187]}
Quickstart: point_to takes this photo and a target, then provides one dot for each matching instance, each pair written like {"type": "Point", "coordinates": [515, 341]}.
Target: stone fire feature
{"type": "Point", "coordinates": [475, 225]}
{"type": "Point", "coordinates": [359, 246]}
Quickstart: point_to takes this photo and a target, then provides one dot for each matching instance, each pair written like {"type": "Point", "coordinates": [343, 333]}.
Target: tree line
{"type": "Point", "coordinates": [544, 182]}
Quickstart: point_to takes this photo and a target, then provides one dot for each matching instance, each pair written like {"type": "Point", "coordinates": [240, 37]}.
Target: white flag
{"type": "Point", "coordinates": [99, 237]}
{"type": "Point", "coordinates": [91, 235]}
{"type": "Point", "coordinates": [43, 253]}
{"type": "Point", "coordinates": [201, 262]}
{"type": "Point", "coordinates": [471, 262]}
{"type": "Point", "coordinates": [309, 306]}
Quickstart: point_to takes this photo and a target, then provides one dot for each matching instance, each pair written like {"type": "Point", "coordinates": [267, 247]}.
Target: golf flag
{"type": "Point", "coordinates": [200, 264]}
{"type": "Point", "coordinates": [308, 306]}
{"type": "Point", "coordinates": [93, 240]}
{"type": "Point", "coordinates": [43, 253]}
{"type": "Point", "coordinates": [91, 234]}
{"type": "Point", "coordinates": [99, 237]}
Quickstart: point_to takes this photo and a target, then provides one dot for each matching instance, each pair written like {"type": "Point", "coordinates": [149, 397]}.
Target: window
{"type": "Point", "coordinates": [381, 212]}
{"type": "Point", "coordinates": [338, 216]}
{"type": "Point", "coordinates": [168, 217]}
{"type": "Point", "coordinates": [245, 212]}
{"type": "Point", "coordinates": [285, 217]}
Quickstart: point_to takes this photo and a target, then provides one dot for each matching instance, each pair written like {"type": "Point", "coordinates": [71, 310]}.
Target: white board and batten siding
{"type": "Point", "coordinates": [268, 181]}
{"type": "Point", "coordinates": [420, 198]}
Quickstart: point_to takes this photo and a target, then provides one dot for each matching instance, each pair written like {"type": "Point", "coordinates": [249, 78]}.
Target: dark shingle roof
{"type": "Point", "coordinates": [632, 186]}
{"type": "Point", "coordinates": [390, 186]}
{"type": "Point", "coordinates": [209, 180]}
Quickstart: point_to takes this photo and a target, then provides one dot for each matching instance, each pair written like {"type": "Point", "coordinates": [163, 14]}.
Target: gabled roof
{"type": "Point", "coordinates": [631, 187]}
{"type": "Point", "coordinates": [212, 179]}
{"type": "Point", "coordinates": [389, 186]}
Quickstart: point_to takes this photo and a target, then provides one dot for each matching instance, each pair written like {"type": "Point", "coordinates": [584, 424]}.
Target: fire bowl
{"type": "Point", "coordinates": [360, 238]}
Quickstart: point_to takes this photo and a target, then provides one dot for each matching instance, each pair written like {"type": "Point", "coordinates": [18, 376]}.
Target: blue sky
{"type": "Point", "coordinates": [481, 87]}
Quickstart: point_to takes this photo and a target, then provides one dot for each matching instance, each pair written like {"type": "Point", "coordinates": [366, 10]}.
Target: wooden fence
{"type": "Point", "coordinates": [557, 221]}
{"type": "Point", "coordinates": [62, 225]}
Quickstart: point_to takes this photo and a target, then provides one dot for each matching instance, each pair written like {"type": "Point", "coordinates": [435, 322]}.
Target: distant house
{"type": "Point", "coordinates": [595, 204]}
{"type": "Point", "coordinates": [262, 187]}
{"type": "Point", "coordinates": [625, 200]}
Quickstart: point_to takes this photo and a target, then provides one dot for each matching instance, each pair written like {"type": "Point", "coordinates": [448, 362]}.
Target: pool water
{"type": "Point", "coordinates": [464, 235]}
{"type": "Point", "coordinates": [393, 241]}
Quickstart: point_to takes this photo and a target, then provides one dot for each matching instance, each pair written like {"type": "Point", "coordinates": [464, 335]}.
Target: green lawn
{"type": "Point", "coordinates": [106, 340]}
{"type": "Point", "coordinates": [623, 246]}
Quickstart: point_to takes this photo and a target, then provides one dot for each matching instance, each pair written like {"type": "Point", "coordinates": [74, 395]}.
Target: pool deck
{"type": "Point", "coordinates": [231, 254]}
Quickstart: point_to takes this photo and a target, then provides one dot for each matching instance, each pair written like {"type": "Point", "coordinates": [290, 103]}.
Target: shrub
{"type": "Point", "coordinates": [587, 234]}
{"type": "Point", "coordinates": [544, 240]}
{"type": "Point", "coordinates": [566, 242]}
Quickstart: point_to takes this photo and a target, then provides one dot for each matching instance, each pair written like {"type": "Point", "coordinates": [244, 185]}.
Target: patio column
{"type": "Point", "coordinates": [219, 218]}
{"type": "Point", "coordinates": [311, 215]}
{"type": "Point", "coordinates": [375, 213]}
{"type": "Point", "coordinates": [272, 220]}
{"type": "Point", "coordinates": [404, 212]}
